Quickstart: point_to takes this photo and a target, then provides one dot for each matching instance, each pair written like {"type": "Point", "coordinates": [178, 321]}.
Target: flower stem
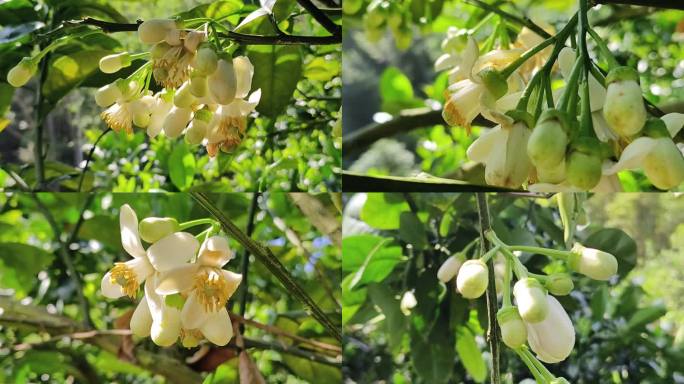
{"type": "Point", "coordinates": [586, 125]}
{"type": "Point", "coordinates": [526, 56]}
{"type": "Point", "coordinates": [571, 87]}
{"type": "Point", "coordinates": [493, 331]}
{"type": "Point", "coordinates": [531, 366]}
{"type": "Point", "coordinates": [194, 223]}
{"type": "Point", "coordinates": [553, 253]}
{"type": "Point", "coordinates": [507, 283]}
{"type": "Point", "coordinates": [548, 376]}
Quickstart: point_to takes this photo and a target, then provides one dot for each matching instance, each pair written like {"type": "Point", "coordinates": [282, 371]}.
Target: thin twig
{"type": "Point", "coordinates": [245, 259]}
{"type": "Point", "coordinates": [492, 305]}
{"type": "Point", "coordinates": [65, 255]}
{"type": "Point", "coordinates": [321, 17]}
{"type": "Point", "coordinates": [90, 156]}
{"type": "Point", "coordinates": [523, 21]}
{"type": "Point", "coordinates": [252, 343]}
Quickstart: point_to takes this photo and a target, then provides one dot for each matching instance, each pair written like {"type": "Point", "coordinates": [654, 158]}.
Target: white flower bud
{"type": "Point", "coordinates": [223, 82]}
{"type": "Point", "coordinates": [141, 321]}
{"type": "Point", "coordinates": [592, 262]}
{"type": "Point", "coordinates": [513, 330]}
{"type": "Point", "coordinates": [21, 73]}
{"type": "Point", "coordinates": [184, 97]}
{"type": "Point", "coordinates": [471, 281]}
{"type": "Point", "coordinates": [624, 109]}
{"type": "Point", "coordinates": [176, 121]}
{"type": "Point", "coordinates": [664, 164]}
{"type": "Point", "coordinates": [154, 31]}
{"type": "Point", "coordinates": [554, 338]}
{"type": "Point", "coordinates": [531, 300]}
{"type": "Point", "coordinates": [107, 95]}
{"type": "Point", "coordinates": [206, 60]}
{"type": "Point", "coordinates": [408, 302]}
{"type": "Point", "coordinates": [449, 269]}
{"type": "Point", "coordinates": [113, 63]}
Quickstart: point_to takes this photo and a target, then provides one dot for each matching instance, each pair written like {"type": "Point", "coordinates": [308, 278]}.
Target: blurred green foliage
{"type": "Point", "coordinates": [33, 273]}
{"type": "Point", "coordinates": [625, 331]}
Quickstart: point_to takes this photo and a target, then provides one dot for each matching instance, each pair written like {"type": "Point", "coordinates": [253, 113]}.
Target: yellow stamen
{"type": "Point", "coordinates": [175, 63]}
{"type": "Point", "coordinates": [124, 276]}
{"type": "Point", "coordinates": [211, 289]}
{"type": "Point", "coordinates": [118, 117]}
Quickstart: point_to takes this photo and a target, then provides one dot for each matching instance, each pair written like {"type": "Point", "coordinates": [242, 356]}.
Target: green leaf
{"type": "Point", "coordinates": [6, 93]}
{"type": "Point", "coordinates": [412, 230]}
{"type": "Point", "coordinates": [226, 373]}
{"type": "Point", "coordinates": [369, 258]}
{"type": "Point", "coordinates": [352, 300]}
{"type": "Point", "coordinates": [216, 10]}
{"type": "Point", "coordinates": [182, 166]}
{"type": "Point", "coordinates": [102, 228]}
{"type": "Point", "coordinates": [19, 33]}
{"type": "Point", "coordinates": [395, 321]}
{"type": "Point", "coordinates": [19, 265]}
{"type": "Point", "coordinates": [645, 316]}
{"type": "Point", "coordinates": [619, 244]}
{"type": "Point", "coordinates": [67, 71]}
{"type": "Point", "coordinates": [433, 355]}
{"type": "Point", "coordinates": [277, 70]}
{"type": "Point", "coordinates": [470, 354]}
{"type": "Point", "coordinates": [396, 91]}
{"type": "Point", "coordinates": [76, 9]}
{"type": "Point", "coordinates": [322, 69]}
{"type": "Point", "coordinates": [14, 12]}
{"type": "Point", "coordinates": [383, 211]}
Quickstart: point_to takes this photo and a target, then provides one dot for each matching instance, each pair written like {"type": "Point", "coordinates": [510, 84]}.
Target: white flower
{"type": "Point", "coordinates": [408, 302]}
{"type": "Point", "coordinates": [208, 288]}
{"type": "Point", "coordinates": [160, 105]}
{"type": "Point", "coordinates": [554, 338]}
{"type": "Point", "coordinates": [125, 278]}
{"type": "Point", "coordinates": [171, 58]}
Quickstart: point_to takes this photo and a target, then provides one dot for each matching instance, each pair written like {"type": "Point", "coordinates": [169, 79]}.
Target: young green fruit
{"type": "Point", "coordinates": [594, 263]}
{"type": "Point", "coordinates": [583, 169]}
{"type": "Point", "coordinates": [471, 281]}
{"type": "Point", "coordinates": [531, 300]}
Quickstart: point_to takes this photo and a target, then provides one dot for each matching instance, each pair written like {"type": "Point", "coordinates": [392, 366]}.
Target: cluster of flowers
{"type": "Point", "coordinates": [552, 153]}
{"type": "Point", "coordinates": [537, 318]}
{"type": "Point", "coordinates": [206, 93]}
{"type": "Point", "coordinates": [185, 287]}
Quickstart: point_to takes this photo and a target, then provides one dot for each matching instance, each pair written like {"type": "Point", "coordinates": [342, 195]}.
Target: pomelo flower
{"type": "Point", "coordinates": [171, 58]}
{"type": "Point", "coordinates": [553, 338]}
{"type": "Point", "coordinates": [125, 278]}
{"type": "Point", "coordinates": [471, 281]}
{"type": "Point", "coordinates": [160, 105]}
{"type": "Point", "coordinates": [208, 287]}
{"type": "Point", "coordinates": [126, 106]}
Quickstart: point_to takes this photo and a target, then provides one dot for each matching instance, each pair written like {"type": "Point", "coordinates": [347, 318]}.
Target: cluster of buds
{"type": "Point", "coordinates": [185, 285]}
{"type": "Point", "coordinates": [206, 94]}
{"type": "Point", "coordinates": [553, 148]}
{"type": "Point", "coordinates": [537, 318]}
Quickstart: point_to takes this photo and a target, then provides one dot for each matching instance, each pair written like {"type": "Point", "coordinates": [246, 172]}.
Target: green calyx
{"type": "Point", "coordinates": [559, 284]}
{"type": "Point", "coordinates": [587, 145]}
{"type": "Point", "coordinates": [531, 282]}
{"type": "Point", "coordinates": [519, 115]}
{"type": "Point", "coordinates": [494, 81]}
{"type": "Point", "coordinates": [506, 314]}
{"type": "Point", "coordinates": [622, 74]}
{"type": "Point", "coordinates": [554, 115]}
{"type": "Point", "coordinates": [655, 128]}
{"type": "Point", "coordinates": [574, 257]}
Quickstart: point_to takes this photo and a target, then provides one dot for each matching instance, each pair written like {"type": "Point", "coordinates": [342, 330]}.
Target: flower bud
{"type": "Point", "coordinates": [198, 85]}
{"type": "Point", "coordinates": [559, 284]}
{"type": "Point", "coordinates": [184, 97]}
{"type": "Point", "coordinates": [193, 40]}
{"type": "Point", "coordinates": [141, 113]}
{"type": "Point", "coordinates": [154, 31]}
{"type": "Point", "coordinates": [494, 81]}
{"type": "Point", "coordinates": [206, 60]}
{"type": "Point", "coordinates": [113, 63]}
{"type": "Point", "coordinates": [450, 267]}
{"type": "Point", "coordinates": [223, 82]}
{"type": "Point", "coordinates": [664, 164]}
{"type": "Point", "coordinates": [531, 299]}
{"type": "Point", "coordinates": [21, 73]}
{"type": "Point", "coordinates": [153, 229]}
{"type": "Point", "coordinates": [471, 281]}
{"type": "Point", "coordinates": [548, 142]}
{"type": "Point", "coordinates": [592, 262]}
{"type": "Point", "coordinates": [552, 339]}
{"type": "Point", "coordinates": [624, 109]}
{"type": "Point", "coordinates": [107, 95]}
{"type": "Point", "coordinates": [197, 131]}
{"type": "Point", "coordinates": [584, 163]}
{"type": "Point", "coordinates": [408, 302]}
{"type": "Point", "coordinates": [176, 121]}
{"type": "Point", "coordinates": [513, 330]}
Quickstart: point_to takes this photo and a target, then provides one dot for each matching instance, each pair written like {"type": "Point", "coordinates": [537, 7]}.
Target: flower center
{"type": "Point", "coordinates": [190, 337]}
{"type": "Point", "coordinates": [124, 276]}
{"type": "Point", "coordinates": [211, 289]}
{"type": "Point", "coordinates": [118, 117]}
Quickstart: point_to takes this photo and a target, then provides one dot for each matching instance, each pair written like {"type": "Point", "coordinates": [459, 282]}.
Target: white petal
{"type": "Point", "coordinates": [141, 321]}
{"type": "Point", "coordinates": [130, 239]}
{"type": "Point", "coordinates": [141, 267]}
{"type": "Point", "coordinates": [166, 330]}
{"type": "Point", "coordinates": [154, 301]}
{"type": "Point", "coordinates": [470, 55]}
{"type": "Point", "coordinates": [445, 62]}
{"type": "Point", "coordinates": [608, 184]}
{"type": "Point", "coordinates": [109, 289]}
{"type": "Point", "coordinates": [674, 122]}
{"type": "Point", "coordinates": [215, 252]}
{"type": "Point", "coordinates": [481, 148]}
{"type": "Point", "coordinates": [597, 94]}
{"type": "Point", "coordinates": [193, 315]}
{"type": "Point", "coordinates": [244, 70]}
{"type": "Point", "coordinates": [234, 280]}
{"type": "Point", "coordinates": [566, 59]}
{"type": "Point", "coordinates": [601, 127]}
{"type": "Point", "coordinates": [172, 251]}
{"type": "Point", "coordinates": [632, 157]}
{"type": "Point", "coordinates": [177, 280]}
{"type": "Point", "coordinates": [218, 328]}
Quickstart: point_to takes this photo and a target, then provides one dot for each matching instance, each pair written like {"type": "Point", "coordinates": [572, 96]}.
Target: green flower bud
{"type": "Point", "coordinates": [206, 60]}
{"type": "Point", "coordinates": [153, 229]}
{"type": "Point", "coordinates": [559, 284]}
{"type": "Point", "coordinates": [184, 97]}
{"type": "Point", "coordinates": [471, 281]}
{"type": "Point", "coordinates": [584, 163]}
{"type": "Point", "coordinates": [596, 264]}
{"type": "Point", "coordinates": [624, 108]}
{"type": "Point", "coordinates": [198, 85]}
{"type": "Point", "coordinates": [21, 73]}
{"type": "Point", "coordinates": [513, 330]}
{"type": "Point", "coordinates": [449, 269]}
{"type": "Point", "coordinates": [531, 300]}
{"type": "Point", "coordinates": [403, 37]}
{"type": "Point", "coordinates": [494, 81]}
{"type": "Point", "coordinates": [548, 142]}
{"type": "Point", "coordinates": [114, 63]}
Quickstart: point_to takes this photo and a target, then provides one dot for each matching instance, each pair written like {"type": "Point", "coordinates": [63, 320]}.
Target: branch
{"type": "Point", "coordinates": [245, 258]}
{"type": "Point", "coordinates": [362, 138]}
{"type": "Point", "coordinates": [667, 4]}
{"type": "Point", "coordinates": [321, 17]}
{"type": "Point", "coordinates": [356, 182]}
{"type": "Point", "coordinates": [264, 255]}
{"type": "Point", "coordinates": [37, 319]}
{"type": "Point", "coordinates": [492, 305]}
{"type": "Point", "coordinates": [523, 21]}
{"type": "Point", "coordinates": [283, 39]}
{"type": "Point", "coordinates": [65, 255]}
